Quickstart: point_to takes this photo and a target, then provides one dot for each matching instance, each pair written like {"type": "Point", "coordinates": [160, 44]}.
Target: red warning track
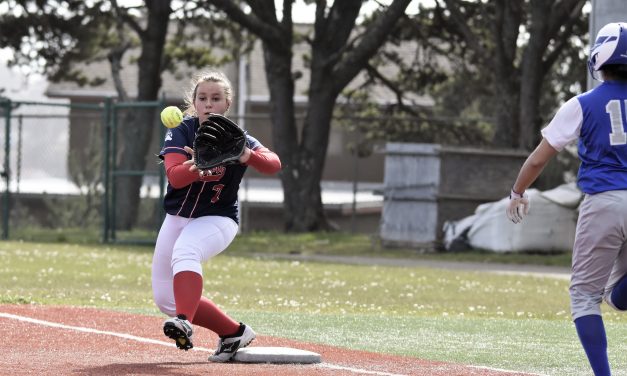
{"type": "Point", "coordinates": [46, 340]}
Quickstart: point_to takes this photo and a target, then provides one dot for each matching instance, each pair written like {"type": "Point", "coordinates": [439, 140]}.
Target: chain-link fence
{"type": "Point", "coordinates": [60, 169]}
{"type": "Point", "coordinates": [67, 175]}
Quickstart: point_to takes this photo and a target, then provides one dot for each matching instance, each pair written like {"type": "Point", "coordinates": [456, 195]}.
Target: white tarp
{"type": "Point", "coordinates": [549, 226]}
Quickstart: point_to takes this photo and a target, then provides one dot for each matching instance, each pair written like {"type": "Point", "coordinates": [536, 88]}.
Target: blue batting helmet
{"type": "Point", "coordinates": [610, 47]}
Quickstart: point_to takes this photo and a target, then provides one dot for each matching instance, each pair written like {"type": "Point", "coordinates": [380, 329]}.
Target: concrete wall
{"type": "Point", "coordinates": [427, 184]}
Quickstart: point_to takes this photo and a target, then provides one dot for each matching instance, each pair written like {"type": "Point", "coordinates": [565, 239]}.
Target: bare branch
{"type": "Point", "coordinates": [398, 92]}
{"type": "Point", "coordinates": [460, 23]}
{"type": "Point", "coordinates": [370, 43]}
{"type": "Point", "coordinates": [570, 14]}
{"type": "Point", "coordinates": [267, 31]}
{"type": "Point", "coordinates": [130, 21]}
{"type": "Point", "coordinates": [116, 54]}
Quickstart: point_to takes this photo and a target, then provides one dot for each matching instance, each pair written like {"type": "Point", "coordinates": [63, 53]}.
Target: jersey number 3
{"type": "Point", "coordinates": [618, 135]}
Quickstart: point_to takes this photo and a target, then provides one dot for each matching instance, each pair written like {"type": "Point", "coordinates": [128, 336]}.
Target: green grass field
{"type": "Point", "coordinates": [512, 322]}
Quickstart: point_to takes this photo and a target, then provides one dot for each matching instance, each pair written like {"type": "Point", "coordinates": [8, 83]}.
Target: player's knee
{"type": "Point", "coordinates": [186, 260]}
{"type": "Point", "coordinates": [583, 303]}
{"type": "Point", "coordinates": [618, 300]}
{"type": "Point", "coordinates": [618, 295]}
{"type": "Point", "coordinates": [165, 304]}
{"type": "Point", "coordinates": [168, 309]}
{"type": "Point", "coordinates": [622, 308]}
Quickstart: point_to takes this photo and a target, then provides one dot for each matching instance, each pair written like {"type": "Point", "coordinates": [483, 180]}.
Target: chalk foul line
{"type": "Point", "coordinates": [195, 348]}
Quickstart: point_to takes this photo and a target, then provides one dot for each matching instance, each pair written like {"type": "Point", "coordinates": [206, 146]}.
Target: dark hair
{"type": "Point", "coordinates": [615, 71]}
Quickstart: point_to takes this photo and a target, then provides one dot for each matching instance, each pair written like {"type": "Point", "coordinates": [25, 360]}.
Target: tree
{"type": "Point", "coordinates": [494, 65]}
{"type": "Point", "coordinates": [340, 50]}
{"type": "Point", "coordinates": [489, 35]}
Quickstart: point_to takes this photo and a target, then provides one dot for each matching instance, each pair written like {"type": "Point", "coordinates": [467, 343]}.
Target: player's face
{"type": "Point", "coordinates": [210, 98]}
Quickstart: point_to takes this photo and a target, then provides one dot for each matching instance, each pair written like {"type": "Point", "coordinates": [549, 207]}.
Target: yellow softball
{"type": "Point", "coordinates": [171, 116]}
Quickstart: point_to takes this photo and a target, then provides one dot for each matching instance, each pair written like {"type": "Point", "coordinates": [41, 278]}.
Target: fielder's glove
{"type": "Point", "coordinates": [218, 141]}
{"type": "Point", "coordinates": [518, 206]}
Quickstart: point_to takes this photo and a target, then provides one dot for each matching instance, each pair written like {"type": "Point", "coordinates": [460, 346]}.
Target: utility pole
{"type": "Point", "coordinates": [602, 13]}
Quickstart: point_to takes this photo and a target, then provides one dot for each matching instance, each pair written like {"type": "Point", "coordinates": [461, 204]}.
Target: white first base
{"type": "Point", "coordinates": [276, 355]}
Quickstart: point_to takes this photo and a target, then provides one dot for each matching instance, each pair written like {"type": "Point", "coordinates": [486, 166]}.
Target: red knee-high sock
{"type": "Point", "coordinates": [187, 293]}
{"type": "Point", "coordinates": [209, 316]}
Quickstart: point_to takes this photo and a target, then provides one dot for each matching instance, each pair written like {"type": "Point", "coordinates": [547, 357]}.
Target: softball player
{"type": "Point", "coordinates": [201, 221]}
{"type": "Point", "coordinates": [598, 119]}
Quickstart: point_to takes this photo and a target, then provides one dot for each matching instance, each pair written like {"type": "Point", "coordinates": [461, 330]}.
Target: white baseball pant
{"type": "Point", "coordinates": [600, 251]}
{"type": "Point", "coordinates": [183, 244]}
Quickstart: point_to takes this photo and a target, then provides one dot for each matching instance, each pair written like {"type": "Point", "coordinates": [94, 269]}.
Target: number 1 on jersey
{"type": "Point", "coordinates": [618, 135]}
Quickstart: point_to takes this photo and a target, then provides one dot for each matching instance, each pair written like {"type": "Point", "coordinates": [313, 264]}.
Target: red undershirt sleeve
{"type": "Point", "coordinates": [264, 161]}
{"type": "Point", "coordinates": [179, 176]}
{"type": "Point", "coordinates": [177, 173]}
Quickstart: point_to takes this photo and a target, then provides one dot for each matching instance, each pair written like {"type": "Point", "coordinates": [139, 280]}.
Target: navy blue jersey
{"type": "Point", "coordinates": [217, 194]}
{"type": "Point", "coordinates": [602, 139]}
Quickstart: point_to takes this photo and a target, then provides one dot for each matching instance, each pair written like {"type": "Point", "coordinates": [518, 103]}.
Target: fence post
{"type": "Point", "coordinates": [6, 173]}
{"type": "Point", "coordinates": [106, 230]}
{"type": "Point", "coordinates": [162, 180]}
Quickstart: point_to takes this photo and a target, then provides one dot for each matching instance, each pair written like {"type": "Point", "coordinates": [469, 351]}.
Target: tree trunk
{"type": "Point", "coordinates": [302, 160]}
{"type": "Point", "coordinates": [532, 72]}
{"type": "Point", "coordinates": [506, 100]}
{"type": "Point", "coordinates": [138, 132]}
{"type": "Point", "coordinates": [310, 215]}
{"type": "Point", "coordinates": [506, 24]}
{"type": "Point", "coordinates": [507, 126]}
{"type": "Point", "coordinates": [284, 130]}
{"type": "Point", "coordinates": [530, 121]}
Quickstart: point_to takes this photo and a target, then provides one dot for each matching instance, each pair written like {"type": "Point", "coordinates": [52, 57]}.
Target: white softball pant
{"type": "Point", "coordinates": [183, 244]}
{"type": "Point", "coordinates": [600, 251]}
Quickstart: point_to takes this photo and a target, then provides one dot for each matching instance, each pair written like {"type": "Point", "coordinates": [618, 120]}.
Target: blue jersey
{"type": "Point", "coordinates": [216, 194]}
{"type": "Point", "coordinates": [603, 139]}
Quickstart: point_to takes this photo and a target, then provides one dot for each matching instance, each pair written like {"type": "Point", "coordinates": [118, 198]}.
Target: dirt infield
{"type": "Point", "coordinates": [45, 340]}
